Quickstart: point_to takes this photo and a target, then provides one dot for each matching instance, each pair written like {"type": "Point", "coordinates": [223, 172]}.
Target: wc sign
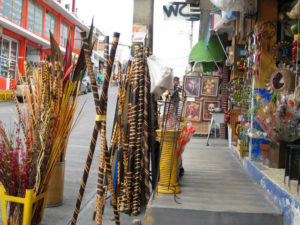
{"type": "Point", "coordinates": [176, 11]}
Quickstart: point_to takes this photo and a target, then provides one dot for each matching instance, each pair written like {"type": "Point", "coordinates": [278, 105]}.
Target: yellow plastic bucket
{"type": "Point", "coordinates": [27, 201]}
{"type": "Point", "coordinates": [168, 183]}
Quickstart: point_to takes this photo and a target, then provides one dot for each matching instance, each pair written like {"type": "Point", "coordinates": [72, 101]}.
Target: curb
{"type": "Point", "coordinates": [289, 206]}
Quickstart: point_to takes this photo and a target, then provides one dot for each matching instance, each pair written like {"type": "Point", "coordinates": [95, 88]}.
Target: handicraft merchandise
{"type": "Point", "coordinates": [105, 169]}
{"type": "Point", "coordinates": [240, 92]}
{"type": "Point", "coordinates": [296, 48]}
{"type": "Point", "coordinates": [251, 43]}
{"type": "Point", "coordinates": [281, 80]}
{"type": "Point", "coordinates": [29, 156]}
{"type": "Point", "coordinates": [187, 131]}
{"type": "Point", "coordinates": [210, 86]}
{"type": "Point", "coordinates": [124, 164]}
{"type": "Point", "coordinates": [280, 118]}
{"type": "Point", "coordinates": [235, 88]}
{"type": "Point", "coordinates": [192, 86]}
{"type": "Point", "coordinates": [208, 108]}
{"type": "Point", "coordinates": [282, 51]}
{"type": "Point", "coordinates": [193, 111]}
{"type": "Point", "coordinates": [242, 59]}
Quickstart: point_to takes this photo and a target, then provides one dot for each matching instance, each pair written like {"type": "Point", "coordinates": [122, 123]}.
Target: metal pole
{"type": "Point", "coordinates": [191, 35]}
{"type": "Point", "coordinates": [221, 44]}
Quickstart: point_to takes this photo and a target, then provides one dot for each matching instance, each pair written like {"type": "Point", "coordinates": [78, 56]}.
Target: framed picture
{"type": "Point", "coordinates": [210, 86]}
{"type": "Point", "coordinates": [208, 108]}
{"type": "Point", "coordinates": [193, 111]}
{"type": "Point", "coordinates": [192, 86]}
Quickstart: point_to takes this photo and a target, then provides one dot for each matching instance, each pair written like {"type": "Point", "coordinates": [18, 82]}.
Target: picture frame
{"type": "Point", "coordinates": [208, 106]}
{"type": "Point", "coordinates": [193, 110]}
{"type": "Point", "coordinates": [210, 86]}
{"type": "Point", "coordinates": [192, 86]}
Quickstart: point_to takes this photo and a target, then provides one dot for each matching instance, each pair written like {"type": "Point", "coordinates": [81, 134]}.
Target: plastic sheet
{"type": "Point", "coordinates": [246, 6]}
{"type": "Point", "coordinates": [161, 77]}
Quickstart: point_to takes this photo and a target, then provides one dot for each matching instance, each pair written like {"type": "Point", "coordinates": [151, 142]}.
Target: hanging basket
{"type": "Point", "coordinates": [28, 201]}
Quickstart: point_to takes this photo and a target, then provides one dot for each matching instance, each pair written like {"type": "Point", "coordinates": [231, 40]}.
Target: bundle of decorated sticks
{"type": "Point", "coordinates": [128, 155]}
{"type": "Point", "coordinates": [132, 136]}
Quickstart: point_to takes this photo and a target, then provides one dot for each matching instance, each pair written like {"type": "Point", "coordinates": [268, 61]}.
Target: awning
{"type": "Point", "coordinates": [213, 53]}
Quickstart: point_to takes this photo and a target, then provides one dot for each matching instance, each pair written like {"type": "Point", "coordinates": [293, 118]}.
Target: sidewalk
{"type": "Point", "coordinates": [216, 190]}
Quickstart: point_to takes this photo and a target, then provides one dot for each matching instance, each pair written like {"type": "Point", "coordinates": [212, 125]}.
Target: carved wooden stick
{"type": "Point", "coordinates": [146, 128]}
{"type": "Point", "coordinates": [92, 144]}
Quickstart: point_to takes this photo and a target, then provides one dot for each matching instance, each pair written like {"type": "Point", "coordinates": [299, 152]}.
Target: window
{"type": "Point", "coordinates": [32, 54]}
{"type": "Point", "coordinates": [50, 24]}
{"type": "Point", "coordinates": [8, 56]}
{"type": "Point", "coordinates": [35, 17]}
{"type": "Point", "coordinates": [77, 39]}
{"type": "Point", "coordinates": [33, 58]}
{"type": "Point", "coordinates": [12, 10]}
{"type": "Point", "coordinates": [63, 33]}
{"type": "Point", "coordinates": [71, 31]}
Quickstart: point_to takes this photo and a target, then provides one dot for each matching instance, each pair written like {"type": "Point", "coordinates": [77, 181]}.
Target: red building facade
{"type": "Point", "coordinates": [24, 34]}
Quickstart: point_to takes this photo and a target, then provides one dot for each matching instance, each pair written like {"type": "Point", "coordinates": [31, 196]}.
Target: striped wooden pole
{"type": "Point", "coordinates": [101, 166]}
{"type": "Point", "coordinates": [138, 152]}
{"type": "Point", "coordinates": [132, 121]}
{"type": "Point", "coordinates": [93, 140]}
{"type": "Point", "coordinates": [103, 126]}
{"type": "Point", "coordinates": [146, 128]}
{"type": "Point", "coordinates": [125, 193]}
{"type": "Point", "coordinates": [101, 117]}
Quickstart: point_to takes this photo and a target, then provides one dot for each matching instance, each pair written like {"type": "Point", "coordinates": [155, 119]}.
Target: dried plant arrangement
{"type": "Point", "coordinates": [30, 152]}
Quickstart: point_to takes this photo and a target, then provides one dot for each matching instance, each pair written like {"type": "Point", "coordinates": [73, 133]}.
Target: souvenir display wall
{"type": "Point", "coordinates": [264, 86]}
{"type": "Point", "coordinates": [202, 97]}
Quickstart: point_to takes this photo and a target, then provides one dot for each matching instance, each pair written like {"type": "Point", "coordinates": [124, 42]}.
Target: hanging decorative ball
{"type": "Point", "coordinates": [294, 49]}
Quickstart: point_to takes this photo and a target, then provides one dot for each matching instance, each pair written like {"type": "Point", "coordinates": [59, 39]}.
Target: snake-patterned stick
{"type": "Point", "coordinates": [146, 128]}
{"type": "Point", "coordinates": [101, 170]}
{"type": "Point", "coordinates": [93, 141]}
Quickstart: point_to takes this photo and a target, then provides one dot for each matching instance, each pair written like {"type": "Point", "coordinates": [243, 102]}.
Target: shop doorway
{"type": "Point", "coordinates": [8, 58]}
